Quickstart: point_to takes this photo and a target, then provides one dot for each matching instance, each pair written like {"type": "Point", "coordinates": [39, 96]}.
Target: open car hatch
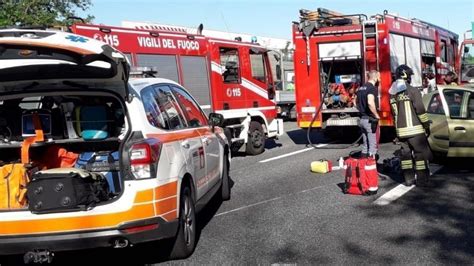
{"type": "Point", "coordinates": [28, 56]}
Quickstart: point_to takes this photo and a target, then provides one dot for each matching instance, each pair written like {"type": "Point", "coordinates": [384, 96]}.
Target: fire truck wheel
{"type": "Point", "coordinates": [185, 240]}
{"type": "Point", "coordinates": [256, 140]}
{"type": "Point", "coordinates": [225, 186]}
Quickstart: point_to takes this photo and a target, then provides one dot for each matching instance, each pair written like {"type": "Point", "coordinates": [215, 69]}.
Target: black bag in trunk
{"type": "Point", "coordinates": [64, 191]}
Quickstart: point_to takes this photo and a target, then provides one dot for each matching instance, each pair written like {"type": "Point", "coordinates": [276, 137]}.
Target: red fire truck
{"type": "Point", "coordinates": [228, 77]}
{"type": "Point", "coordinates": [333, 53]}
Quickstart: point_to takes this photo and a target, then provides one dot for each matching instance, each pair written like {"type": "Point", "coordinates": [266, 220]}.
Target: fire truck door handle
{"type": "Point", "coordinates": [185, 144]}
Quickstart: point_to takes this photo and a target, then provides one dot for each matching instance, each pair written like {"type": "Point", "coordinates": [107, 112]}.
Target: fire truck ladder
{"type": "Point", "coordinates": [371, 44]}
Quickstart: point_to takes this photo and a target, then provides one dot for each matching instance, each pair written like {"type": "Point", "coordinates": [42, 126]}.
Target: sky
{"type": "Point", "coordinates": [272, 18]}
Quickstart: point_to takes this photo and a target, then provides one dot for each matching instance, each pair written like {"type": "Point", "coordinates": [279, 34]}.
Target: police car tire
{"type": "Point", "coordinates": [225, 186]}
{"type": "Point", "coordinates": [182, 248]}
{"type": "Point", "coordinates": [252, 148]}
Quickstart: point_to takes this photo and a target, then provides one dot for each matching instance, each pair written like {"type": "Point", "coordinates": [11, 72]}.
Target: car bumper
{"type": "Point", "coordinates": [134, 233]}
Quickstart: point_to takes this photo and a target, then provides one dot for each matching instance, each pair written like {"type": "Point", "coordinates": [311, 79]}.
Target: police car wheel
{"type": "Point", "coordinates": [185, 240]}
{"type": "Point", "coordinates": [225, 186]}
{"type": "Point", "coordinates": [256, 139]}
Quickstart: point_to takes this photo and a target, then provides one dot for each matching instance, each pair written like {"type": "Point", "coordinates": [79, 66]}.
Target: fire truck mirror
{"type": "Point", "coordinates": [466, 49]}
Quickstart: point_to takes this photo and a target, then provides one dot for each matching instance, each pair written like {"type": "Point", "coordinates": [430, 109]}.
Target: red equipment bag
{"type": "Point", "coordinates": [362, 177]}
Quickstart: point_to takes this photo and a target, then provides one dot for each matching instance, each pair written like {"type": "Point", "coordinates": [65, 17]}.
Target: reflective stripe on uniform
{"type": "Point", "coordinates": [393, 102]}
{"type": "Point", "coordinates": [407, 164]}
{"type": "Point", "coordinates": [408, 114]}
{"type": "Point", "coordinates": [420, 165]}
{"type": "Point", "coordinates": [410, 131]}
{"type": "Point", "coordinates": [370, 167]}
{"type": "Point", "coordinates": [423, 118]}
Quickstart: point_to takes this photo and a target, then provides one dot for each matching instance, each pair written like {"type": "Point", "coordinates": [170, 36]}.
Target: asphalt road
{"type": "Point", "coordinates": [281, 213]}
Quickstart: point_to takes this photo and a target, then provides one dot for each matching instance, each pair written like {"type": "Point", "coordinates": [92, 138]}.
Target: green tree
{"type": "Point", "coordinates": [41, 12]}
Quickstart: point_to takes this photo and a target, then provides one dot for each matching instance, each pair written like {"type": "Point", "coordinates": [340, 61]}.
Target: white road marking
{"type": "Point", "coordinates": [400, 190]}
{"type": "Point", "coordinates": [393, 194]}
{"type": "Point", "coordinates": [291, 153]}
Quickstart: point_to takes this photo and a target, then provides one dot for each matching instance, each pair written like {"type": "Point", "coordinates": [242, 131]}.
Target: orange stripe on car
{"type": "Point", "coordinates": [102, 221]}
{"type": "Point", "coordinates": [144, 196]}
{"type": "Point", "coordinates": [166, 206]}
{"type": "Point", "coordinates": [177, 136]}
{"type": "Point", "coordinates": [166, 191]}
{"type": "Point", "coordinates": [171, 216]}
{"type": "Point", "coordinates": [144, 208]}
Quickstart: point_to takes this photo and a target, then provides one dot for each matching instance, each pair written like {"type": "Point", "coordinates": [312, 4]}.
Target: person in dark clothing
{"type": "Point", "coordinates": [367, 102]}
{"type": "Point", "coordinates": [450, 79]}
{"type": "Point", "coordinates": [412, 128]}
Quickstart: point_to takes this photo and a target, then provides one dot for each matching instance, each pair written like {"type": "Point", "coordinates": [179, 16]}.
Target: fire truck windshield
{"type": "Point", "coordinates": [467, 63]}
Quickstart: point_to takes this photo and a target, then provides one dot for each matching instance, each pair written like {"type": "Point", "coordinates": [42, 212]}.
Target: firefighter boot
{"type": "Point", "coordinates": [408, 172]}
{"type": "Point", "coordinates": [422, 175]}
{"type": "Point", "coordinates": [422, 179]}
{"type": "Point", "coordinates": [409, 175]}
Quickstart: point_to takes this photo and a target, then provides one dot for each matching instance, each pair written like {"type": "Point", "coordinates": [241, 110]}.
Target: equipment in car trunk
{"type": "Point", "coordinates": [37, 137]}
{"type": "Point", "coordinates": [92, 121]}
{"type": "Point", "coordinates": [57, 157]}
{"type": "Point", "coordinates": [361, 176]}
{"type": "Point", "coordinates": [28, 126]}
{"type": "Point", "coordinates": [13, 182]}
{"type": "Point", "coordinates": [10, 120]}
{"type": "Point", "coordinates": [65, 189]}
{"type": "Point", "coordinates": [105, 162]}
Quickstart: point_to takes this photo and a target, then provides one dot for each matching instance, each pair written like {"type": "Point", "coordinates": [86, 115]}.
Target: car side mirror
{"type": "Point", "coordinates": [216, 120]}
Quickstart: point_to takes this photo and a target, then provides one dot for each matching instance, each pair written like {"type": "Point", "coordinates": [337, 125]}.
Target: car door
{"type": "Point", "coordinates": [163, 111]}
{"type": "Point", "coordinates": [439, 138]}
{"type": "Point", "coordinates": [459, 107]}
{"type": "Point", "coordinates": [213, 156]}
{"type": "Point", "coordinates": [196, 118]}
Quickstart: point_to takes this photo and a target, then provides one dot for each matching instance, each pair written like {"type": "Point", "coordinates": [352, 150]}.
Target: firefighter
{"type": "Point", "coordinates": [412, 127]}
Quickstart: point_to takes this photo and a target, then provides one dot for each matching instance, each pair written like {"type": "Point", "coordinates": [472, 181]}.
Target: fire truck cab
{"type": "Point", "coordinates": [232, 78]}
{"type": "Point", "coordinates": [333, 53]}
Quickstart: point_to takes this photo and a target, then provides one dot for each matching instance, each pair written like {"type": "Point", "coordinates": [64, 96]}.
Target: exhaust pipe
{"type": "Point", "coordinates": [120, 243]}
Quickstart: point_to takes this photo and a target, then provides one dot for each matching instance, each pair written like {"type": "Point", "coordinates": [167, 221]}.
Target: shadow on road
{"type": "Point", "coordinates": [269, 145]}
{"type": "Point", "coordinates": [298, 136]}
{"type": "Point", "coordinates": [445, 216]}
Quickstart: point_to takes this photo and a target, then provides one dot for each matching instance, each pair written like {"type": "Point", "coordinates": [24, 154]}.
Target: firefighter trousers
{"type": "Point", "coordinates": [415, 156]}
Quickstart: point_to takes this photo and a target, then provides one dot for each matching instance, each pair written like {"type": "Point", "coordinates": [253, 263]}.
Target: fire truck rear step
{"type": "Point", "coordinates": [342, 122]}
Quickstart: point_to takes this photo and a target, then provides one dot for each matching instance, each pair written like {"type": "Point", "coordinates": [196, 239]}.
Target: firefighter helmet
{"type": "Point", "coordinates": [404, 72]}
